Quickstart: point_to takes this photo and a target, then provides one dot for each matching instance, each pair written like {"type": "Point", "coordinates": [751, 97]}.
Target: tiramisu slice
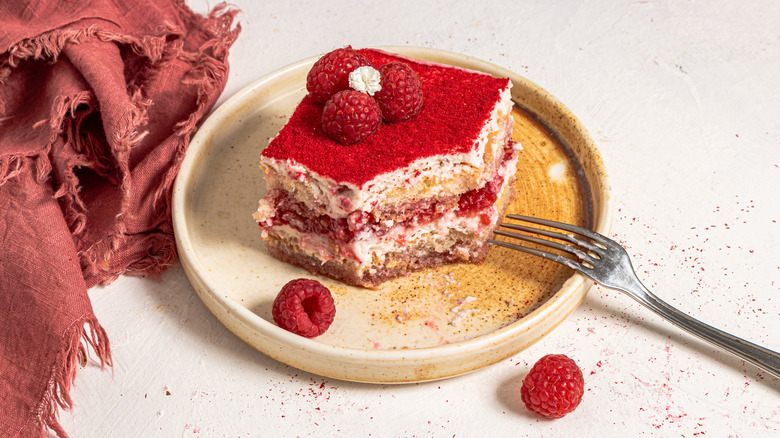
{"type": "Point", "coordinates": [414, 194]}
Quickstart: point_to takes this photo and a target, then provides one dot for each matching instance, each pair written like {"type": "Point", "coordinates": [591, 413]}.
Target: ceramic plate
{"type": "Point", "coordinates": [431, 325]}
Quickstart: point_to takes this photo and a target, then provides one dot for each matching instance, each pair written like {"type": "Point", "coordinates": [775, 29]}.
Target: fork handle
{"type": "Point", "coordinates": [759, 356]}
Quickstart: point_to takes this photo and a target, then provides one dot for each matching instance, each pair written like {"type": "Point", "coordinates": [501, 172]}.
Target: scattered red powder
{"type": "Point", "coordinates": [456, 104]}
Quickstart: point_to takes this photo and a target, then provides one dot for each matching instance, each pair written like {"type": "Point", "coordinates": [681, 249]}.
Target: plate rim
{"type": "Point", "coordinates": [575, 287]}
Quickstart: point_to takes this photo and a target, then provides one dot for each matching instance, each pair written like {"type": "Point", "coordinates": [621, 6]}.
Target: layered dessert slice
{"type": "Point", "coordinates": [416, 194]}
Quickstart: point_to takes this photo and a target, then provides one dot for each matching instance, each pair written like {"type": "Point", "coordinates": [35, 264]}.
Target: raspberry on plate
{"type": "Point", "coordinates": [330, 74]}
{"type": "Point", "coordinates": [401, 95]}
{"type": "Point", "coordinates": [553, 387]}
{"type": "Point", "coordinates": [304, 307]}
{"type": "Point", "coordinates": [350, 117]}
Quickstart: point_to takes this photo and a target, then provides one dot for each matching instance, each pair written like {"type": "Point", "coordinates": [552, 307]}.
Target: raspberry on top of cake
{"type": "Point", "coordinates": [450, 122]}
{"type": "Point", "coordinates": [411, 194]}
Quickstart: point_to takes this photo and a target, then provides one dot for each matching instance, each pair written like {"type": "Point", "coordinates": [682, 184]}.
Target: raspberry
{"type": "Point", "coordinates": [553, 387]}
{"type": "Point", "coordinates": [330, 74]}
{"type": "Point", "coordinates": [401, 95]}
{"type": "Point", "coordinates": [480, 199]}
{"type": "Point", "coordinates": [304, 307]}
{"type": "Point", "coordinates": [350, 117]}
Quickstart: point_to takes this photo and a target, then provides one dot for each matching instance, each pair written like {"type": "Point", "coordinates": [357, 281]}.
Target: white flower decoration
{"type": "Point", "coordinates": [365, 79]}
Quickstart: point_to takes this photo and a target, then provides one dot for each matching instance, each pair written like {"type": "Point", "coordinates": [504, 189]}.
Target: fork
{"type": "Point", "coordinates": [607, 263]}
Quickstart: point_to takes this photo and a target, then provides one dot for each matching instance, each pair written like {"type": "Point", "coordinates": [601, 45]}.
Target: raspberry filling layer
{"type": "Point", "coordinates": [299, 217]}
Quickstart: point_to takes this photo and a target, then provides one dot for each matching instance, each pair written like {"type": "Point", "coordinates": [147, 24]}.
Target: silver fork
{"type": "Point", "coordinates": [607, 263]}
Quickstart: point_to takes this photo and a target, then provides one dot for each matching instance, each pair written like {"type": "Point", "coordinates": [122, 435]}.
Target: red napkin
{"type": "Point", "coordinates": [98, 100]}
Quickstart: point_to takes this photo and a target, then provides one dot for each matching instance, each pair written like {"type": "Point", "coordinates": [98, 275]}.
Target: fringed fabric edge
{"type": "Point", "coordinates": [83, 336]}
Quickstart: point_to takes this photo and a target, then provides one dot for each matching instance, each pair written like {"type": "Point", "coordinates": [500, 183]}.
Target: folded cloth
{"type": "Point", "coordinates": [98, 100]}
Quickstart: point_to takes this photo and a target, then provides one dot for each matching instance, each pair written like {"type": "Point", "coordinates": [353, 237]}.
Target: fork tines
{"type": "Point", "coordinates": [585, 250]}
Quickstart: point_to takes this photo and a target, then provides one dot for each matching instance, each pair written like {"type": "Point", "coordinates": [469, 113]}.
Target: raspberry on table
{"type": "Point", "coordinates": [553, 387]}
{"type": "Point", "coordinates": [401, 96]}
{"type": "Point", "coordinates": [350, 117]}
{"type": "Point", "coordinates": [304, 307]}
{"type": "Point", "coordinates": [330, 74]}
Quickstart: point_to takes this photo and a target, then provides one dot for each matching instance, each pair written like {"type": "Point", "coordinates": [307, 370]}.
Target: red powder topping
{"type": "Point", "coordinates": [457, 103]}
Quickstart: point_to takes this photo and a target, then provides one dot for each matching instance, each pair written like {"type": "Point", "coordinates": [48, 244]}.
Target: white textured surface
{"type": "Point", "coordinates": [682, 100]}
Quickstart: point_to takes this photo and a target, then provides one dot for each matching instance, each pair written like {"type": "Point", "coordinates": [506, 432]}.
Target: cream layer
{"type": "Point", "coordinates": [368, 249]}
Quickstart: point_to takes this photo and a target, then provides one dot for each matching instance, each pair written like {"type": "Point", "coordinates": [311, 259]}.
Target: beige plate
{"type": "Point", "coordinates": [434, 324]}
